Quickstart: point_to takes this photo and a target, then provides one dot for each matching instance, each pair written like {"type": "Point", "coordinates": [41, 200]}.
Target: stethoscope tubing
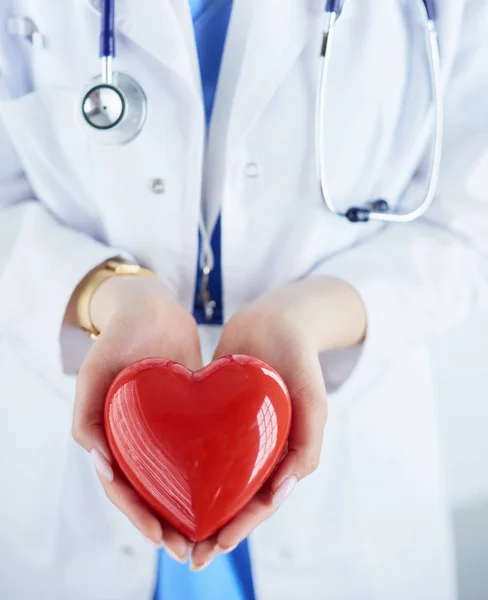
{"type": "Point", "coordinates": [377, 210]}
{"type": "Point", "coordinates": [107, 33]}
{"type": "Point", "coordinates": [369, 212]}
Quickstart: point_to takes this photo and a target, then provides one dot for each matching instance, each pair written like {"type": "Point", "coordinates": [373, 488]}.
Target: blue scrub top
{"type": "Point", "coordinates": [229, 577]}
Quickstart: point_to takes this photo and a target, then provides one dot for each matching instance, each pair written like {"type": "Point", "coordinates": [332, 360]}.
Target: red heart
{"type": "Point", "coordinates": [198, 446]}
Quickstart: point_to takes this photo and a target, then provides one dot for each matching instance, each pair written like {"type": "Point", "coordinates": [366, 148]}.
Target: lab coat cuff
{"type": "Point", "coordinates": [41, 274]}
{"type": "Point", "coordinates": [388, 333]}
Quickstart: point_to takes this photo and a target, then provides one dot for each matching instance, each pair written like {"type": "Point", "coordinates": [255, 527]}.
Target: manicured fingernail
{"type": "Point", "coordinates": [174, 556]}
{"type": "Point", "coordinates": [219, 550]}
{"type": "Point", "coordinates": [195, 568]}
{"type": "Point", "coordinates": [102, 465]}
{"type": "Point", "coordinates": [284, 491]}
{"type": "Point", "coordinates": [159, 544]}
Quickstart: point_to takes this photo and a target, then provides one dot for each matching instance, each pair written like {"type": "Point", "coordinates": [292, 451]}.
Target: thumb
{"type": "Point", "coordinates": [231, 341]}
{"type": "Point", "coordinates": [94, 379]}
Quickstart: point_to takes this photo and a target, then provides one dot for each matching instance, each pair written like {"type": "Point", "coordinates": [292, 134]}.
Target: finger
{"type": "Point", "coordinates": [202, 554]}
{"type": "Point", "coordinates": [231, 535]}
{"type": "Point", "coordinates": [230, 344]}
{"type": "Point", "coordinates": [258, 510]}
{"type": "Point", "coordinates": [180, 342]}
{"type": "Point", "coordinates": [175, 543]}
{"type": "Point", "coordinates": [96, 374]}
{"type": "Point", "coordinates": [128, 501]}
{"type": "Point", "coordinates": [242, 525]}
{"type": "Point", "coordinates": [300, 369]}
{"type": "Point", "coordinates": [238, 529]}
{"type": "Point", "coordinates": [309, 416]}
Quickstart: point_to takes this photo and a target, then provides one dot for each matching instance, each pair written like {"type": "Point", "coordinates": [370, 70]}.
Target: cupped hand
{"type": "Point", "coordinates": [279, 328]}
{"type": "Point", "coordinates": [139, 318]}
{"type": "Point", "coordinates": [288, 328]}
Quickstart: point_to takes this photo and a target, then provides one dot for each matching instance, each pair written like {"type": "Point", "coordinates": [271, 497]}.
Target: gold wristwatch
{"type": "Point", "coordinates": [111, 268]}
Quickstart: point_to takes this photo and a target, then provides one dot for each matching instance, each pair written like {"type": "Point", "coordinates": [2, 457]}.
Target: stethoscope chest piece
{"type": "Point", "coordinates": [113, 113]}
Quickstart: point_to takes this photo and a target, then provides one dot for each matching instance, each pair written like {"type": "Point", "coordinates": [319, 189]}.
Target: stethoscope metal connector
{"type": "Point", "coordinates": [362, 214]}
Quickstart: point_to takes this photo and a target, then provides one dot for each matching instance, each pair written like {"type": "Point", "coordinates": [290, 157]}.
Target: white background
{"type": "Point", "coordinates": [461, 367]}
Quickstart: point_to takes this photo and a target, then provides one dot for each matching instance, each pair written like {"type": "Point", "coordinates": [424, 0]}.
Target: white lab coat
{"type": "Point", "coordinates": [372, 522]}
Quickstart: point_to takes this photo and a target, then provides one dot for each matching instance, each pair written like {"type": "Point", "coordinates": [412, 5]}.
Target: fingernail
{"type": "Point", "coordinates": [219, 550]}
{"type": "Point", "coordinates": [284, 491]}
{"type": "Point", "coordinates": [195, 568]}
{"type": "Point", "coordinates": [174, 556]}
{"type": "Point", "coordinates": [102, 465]}
{"type": "Point", "coordinates": [159, 544]}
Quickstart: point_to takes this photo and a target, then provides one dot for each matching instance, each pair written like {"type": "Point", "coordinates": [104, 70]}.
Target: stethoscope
{"type": "Point", "coordinates": [114, 108]}
{"type": "Point", "coordinates": [379, 210]}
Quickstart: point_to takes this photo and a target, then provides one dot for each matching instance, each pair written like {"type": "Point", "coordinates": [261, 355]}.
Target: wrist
{"type": "Point", "coordinates": [328, 311]}
{"type": "Point", "coordinates": [337, 316]}
{"type": "Point", "coordinates": [79, 310]}
{"type": "Point", "coordinates": [122, 293]}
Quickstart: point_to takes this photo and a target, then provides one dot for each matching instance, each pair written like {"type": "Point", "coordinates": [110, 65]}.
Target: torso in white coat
{"type": "Point", "coordinates": [372, 521]}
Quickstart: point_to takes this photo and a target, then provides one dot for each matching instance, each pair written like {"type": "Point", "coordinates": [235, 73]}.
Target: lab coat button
{"type": "Point", "coordinates": [252, 170]}
{"type": "Point", "coordinates": [286, 555]}
{"type": "Point", "coordinates": [129, 551]}
{"type": "Point", "coordinates": [158, 186]}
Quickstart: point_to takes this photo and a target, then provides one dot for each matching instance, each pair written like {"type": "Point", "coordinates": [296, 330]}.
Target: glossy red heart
{"type": "Point", "coordinates": [198, 446]}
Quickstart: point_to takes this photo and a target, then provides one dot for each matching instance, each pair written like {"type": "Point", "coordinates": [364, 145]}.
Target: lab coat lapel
{"type": "Point", "coordinates": [162, 31]}
{"type": "Point", "coordinates": [278, 32]}
{"type": "Point", "coordinates": [265, 38]}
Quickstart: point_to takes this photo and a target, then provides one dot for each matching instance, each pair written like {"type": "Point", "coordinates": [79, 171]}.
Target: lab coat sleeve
{"type": "Point", "coordinates": [419, 279]}
{"type": "Point", "coordinates": [41, 259]}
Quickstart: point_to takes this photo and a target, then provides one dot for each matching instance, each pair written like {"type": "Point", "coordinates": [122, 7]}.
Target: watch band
{"type": "Point", "coordinates": [111, 268]}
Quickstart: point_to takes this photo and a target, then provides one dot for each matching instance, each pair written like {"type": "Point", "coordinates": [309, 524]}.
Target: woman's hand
{"type": "Point", "coordinates": [287, 329]}
{"type": "Point", "coordinates": [139, 318]}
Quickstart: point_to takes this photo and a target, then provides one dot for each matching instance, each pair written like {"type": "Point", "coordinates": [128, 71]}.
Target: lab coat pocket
{"type": "Point", "coordinates": [50, 36]}
{"type": "Point", "coordinates": [44, 128]}
{"type": "Point", "coordinates": [34, 433]}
